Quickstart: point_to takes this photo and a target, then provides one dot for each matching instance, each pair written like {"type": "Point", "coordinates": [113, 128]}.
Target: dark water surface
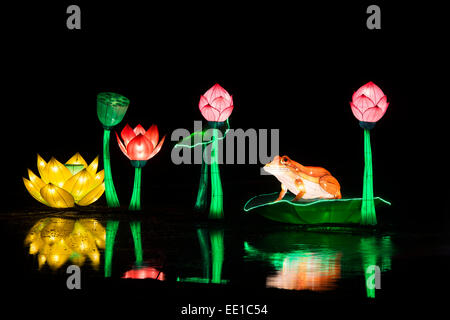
{"type": "Point", "coordinates": [133, 256]}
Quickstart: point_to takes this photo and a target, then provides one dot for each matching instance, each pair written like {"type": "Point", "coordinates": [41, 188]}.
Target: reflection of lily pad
{"type": "Point", "coordinates": [308, 211]}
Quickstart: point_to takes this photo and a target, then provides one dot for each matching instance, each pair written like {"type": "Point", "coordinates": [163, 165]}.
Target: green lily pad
{"type": "Point", "coordinates": [317, 211]}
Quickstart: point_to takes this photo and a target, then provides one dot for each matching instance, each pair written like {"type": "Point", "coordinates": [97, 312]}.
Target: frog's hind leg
{"type": "Point", "coordinates": [282, 192]}
{"type": "Point", "coordinates": [301, 189]}
{"type": "Point", "coordinates": [331, 185]}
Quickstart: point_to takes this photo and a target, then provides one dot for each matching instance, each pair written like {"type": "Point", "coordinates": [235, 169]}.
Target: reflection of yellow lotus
{"type": "Point", "coordinates": [61, 186]}
{"type": "Point", "coordinates": [56, 240]}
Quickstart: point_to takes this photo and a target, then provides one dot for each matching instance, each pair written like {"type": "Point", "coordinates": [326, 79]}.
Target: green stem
{"type": "Point", "coordinates": [111, 231]}
{"type": "Point", "coordinates": [368, 214]}
{"type": "Point", "coordinates": [204, 248]}
{"type": "Point", "coordinates": [135, 203]}
{"type": "Point", "coordinates": [110, 191]}
{"type": "Point", "coordinates": [216, 207]}
{"type": "Point", "coordinates": [201, 202]}
{"type": "Point", "coordinates": [135, 227]}
{"type": "Point", "coordinates": [217, 254]}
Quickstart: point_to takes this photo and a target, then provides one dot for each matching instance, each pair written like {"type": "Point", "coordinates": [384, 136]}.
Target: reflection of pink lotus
{"type": "Point", "coordinates": [369, 103]}
{"type": "Point", "coordinates": [216, 104]}
{"type": "Point", "coordinates": [144, 273]}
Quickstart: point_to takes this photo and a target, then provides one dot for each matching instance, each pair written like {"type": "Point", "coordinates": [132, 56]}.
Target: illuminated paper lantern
{"type": "Point", "coordinates": [139, 146]}
{"type": "Point", "coordinates": [111, 108]}
{"type": "Point", "coordinates": [368, 105]}
{"type": "Point", "coordinates": [305, 182]}
{"type": "Point", "coordinates": [216, 106]}
{"type": "Point", "coordinates": [56, 241]}
{"type": "Point", "coordinates": [61, 186]}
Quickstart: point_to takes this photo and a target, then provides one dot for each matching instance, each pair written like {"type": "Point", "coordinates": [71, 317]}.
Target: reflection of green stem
{"type": "Point", "coordinates": [204, 249]}
{"type": "Point", "coordinates": [135, 227]}
{"type": "Point", "coordinates": [217, 254]}
{"type": "Point", "coordinates": [216, 207]}
{"type": "Point", "coordinates": [111, 231]}
{"type": "Point", "coordinates": [369, 258]}
{"type": "Point", "coordinates": [368, 215]}
{"type": "Point", "coordinates": [201, 202]}
{"type": "Point", "coordinates": [135, 203]}
{"type": "Point", "coordinates": [110, 191]}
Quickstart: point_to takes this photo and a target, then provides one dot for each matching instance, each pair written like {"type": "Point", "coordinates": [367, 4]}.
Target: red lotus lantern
{"type": "Point", "coordinates": [139, 146]}
{"type": "Point", "coordinates": [216, 104]}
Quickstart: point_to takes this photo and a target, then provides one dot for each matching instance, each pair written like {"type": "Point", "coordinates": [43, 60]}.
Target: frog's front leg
{"type": "Point", "coordinates": [301, 189]}
{"type": "Point", "coordinates": [282, 192]}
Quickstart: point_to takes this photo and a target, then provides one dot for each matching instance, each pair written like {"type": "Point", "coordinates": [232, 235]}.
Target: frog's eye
{"type": "Point", "coordinates": [284, 160]}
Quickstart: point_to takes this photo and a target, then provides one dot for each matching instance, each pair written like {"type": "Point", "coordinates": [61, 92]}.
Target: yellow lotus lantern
{"type": "Point", "coordinates": [64, 185]}
{"type": "Point", "coordinates": [57, 240]}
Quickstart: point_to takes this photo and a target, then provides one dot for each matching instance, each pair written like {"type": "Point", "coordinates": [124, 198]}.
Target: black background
{"type": "Point", "coordinates": [288, 66]}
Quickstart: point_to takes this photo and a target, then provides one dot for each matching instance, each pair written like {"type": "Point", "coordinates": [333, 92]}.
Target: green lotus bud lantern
{"type": "Point", "coordinates": [111, 108]}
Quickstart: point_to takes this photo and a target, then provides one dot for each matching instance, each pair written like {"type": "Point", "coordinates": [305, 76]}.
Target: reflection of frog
{"type": "Point", "coordinates": [304, 182]}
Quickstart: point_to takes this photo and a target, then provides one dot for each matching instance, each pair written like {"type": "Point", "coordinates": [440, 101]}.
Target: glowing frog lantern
{"type": "Point", "coordinates": [304, 182]}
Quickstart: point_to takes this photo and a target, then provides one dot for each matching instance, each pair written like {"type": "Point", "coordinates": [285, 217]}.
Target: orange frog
{"type": "Point", "coordinates": [304, 182]}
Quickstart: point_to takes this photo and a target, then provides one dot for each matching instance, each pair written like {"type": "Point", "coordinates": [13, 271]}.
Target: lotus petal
{"type": "Point", "coordinates": [358, 115]}
{"type": "Point", "coordinates": [216, 91]}
{"type": "Point", "coordinates": [363, 103]}
{"type": "Point", "coordinates": [56, 172]}
{"type": "Point", "coordinates": [35, 179]}
{"type": "Point", "coordinates": [77, 159]}
{"type": "Point", "coordinates": [158, 148]}
{"type": "Point", "coordinates": [383, 104]}
{"type": "Point", "coordinates": [57, 197]}
{"type": "Point", "coordinates": [139, 130]}
{"type": "Point", "coordinates": [41, 164]}
{"type": "Point", "coordinates": [225, 114]}
{"type": "Point", "coordinates": [203, 102]}
{"type": "Point", "coordinates": [140, 148]}
{"type": "Point", "coordinates": [127, 134]}
{"type": "Point", "coordinates": [210, 113]}
{"type": "Point", "coordinates": [153, 135]}
{"type": "Point", "coordinates": [92, 195]}
{"type": "Point", "coordinates": [373, 114]}
{"type": "Point", "coordinates": [34, 191]}
{"type": "Point", "coordinates": [220, 103]}
{"type": "Point", "coordinates": [92, 168]}
{"type": "Point", "coordinates": [79, 185]}
{"type": "Point", "coordinates": [98, 178]}
{"type": "Point", "coordinates": [369, 90]}
{"type": "Point", "coordinates": [122, 147]}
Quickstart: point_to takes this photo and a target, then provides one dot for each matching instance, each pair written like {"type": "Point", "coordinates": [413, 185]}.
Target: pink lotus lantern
{"type": "Point", "coordinates": [368, 105]}
{"type": "Point", "coordinates": [216, 104]}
